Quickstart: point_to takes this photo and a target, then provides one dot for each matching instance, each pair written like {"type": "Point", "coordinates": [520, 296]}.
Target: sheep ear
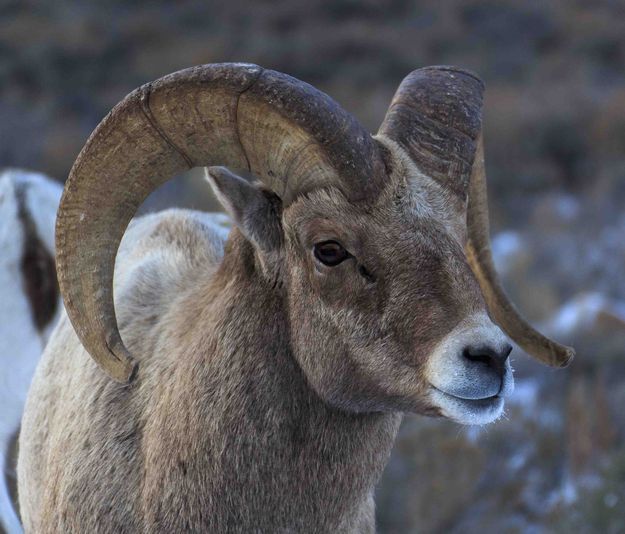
{"type": "Point", "coordinates": [256, 211]}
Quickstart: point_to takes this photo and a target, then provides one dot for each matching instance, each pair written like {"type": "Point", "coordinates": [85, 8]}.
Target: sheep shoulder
{"type": "Point", "coordinates": [158, 263]}
{"type": "Point", "coordinates": [161, 259]}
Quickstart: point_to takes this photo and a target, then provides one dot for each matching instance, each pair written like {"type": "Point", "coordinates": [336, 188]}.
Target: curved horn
{"type": "Point", "coordinates": [291, 136]}
{"type": "Point", "coordinates": [480, 258]}
{"type": "Point", "coordinates": [436, 116]}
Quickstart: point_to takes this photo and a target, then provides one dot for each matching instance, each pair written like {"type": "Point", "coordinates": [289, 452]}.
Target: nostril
{"type": "Point", "coordinates": [495, 358]}
{"type": "Point", "coordinates": [478, 356]}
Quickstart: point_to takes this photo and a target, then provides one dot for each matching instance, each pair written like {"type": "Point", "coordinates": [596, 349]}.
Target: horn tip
{"type": "Point", "coordinates": [566, 356]}
{"type": "Point", "coordinates": [124, 373]}
{"type": "Point", "coordinates": [118, 363]}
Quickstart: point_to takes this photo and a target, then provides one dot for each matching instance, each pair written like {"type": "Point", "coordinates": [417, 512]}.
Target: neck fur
{"type": "Point", "coordinates": [267, 443]}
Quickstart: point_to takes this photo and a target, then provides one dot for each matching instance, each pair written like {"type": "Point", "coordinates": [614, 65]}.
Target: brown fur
{"type": "Point", "coordinates": [270, 388]}
{"type": "Point", "coordinates": [37, 269]}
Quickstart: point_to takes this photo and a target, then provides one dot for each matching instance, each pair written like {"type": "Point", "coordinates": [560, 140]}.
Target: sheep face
{"type": "Point", "coordinates": [385, 312]}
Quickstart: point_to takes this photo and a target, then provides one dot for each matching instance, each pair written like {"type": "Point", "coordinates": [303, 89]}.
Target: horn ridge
{"type": "Point", "coordinates": [145, 107]}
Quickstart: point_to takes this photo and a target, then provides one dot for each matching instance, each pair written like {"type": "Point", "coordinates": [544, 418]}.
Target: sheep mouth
{"type": "Point", "coordinates": [467, 411]}
{"type": "Point", "coordinates": [470, 399]}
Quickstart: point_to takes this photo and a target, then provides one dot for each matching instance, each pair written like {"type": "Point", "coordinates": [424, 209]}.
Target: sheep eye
{"type": "Point", "coordinates": [330, 253]}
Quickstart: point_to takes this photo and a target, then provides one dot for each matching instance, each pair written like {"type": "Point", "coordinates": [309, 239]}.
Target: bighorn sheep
{"type": "Point", "coordinates": [29, 303]}
{"type": "Point", "coordinates": [261, 390]}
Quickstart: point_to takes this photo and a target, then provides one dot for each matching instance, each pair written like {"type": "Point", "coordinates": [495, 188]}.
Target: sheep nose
{"type": "Point", "coordinates": [491, 357]}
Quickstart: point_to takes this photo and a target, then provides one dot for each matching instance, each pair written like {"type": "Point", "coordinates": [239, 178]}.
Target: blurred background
{"type": "Point", "coordinates": [555, 153]}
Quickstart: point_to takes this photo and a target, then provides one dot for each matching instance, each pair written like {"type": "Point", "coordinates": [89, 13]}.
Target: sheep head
{"type": "Point", "coordinates": [379, 244]}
